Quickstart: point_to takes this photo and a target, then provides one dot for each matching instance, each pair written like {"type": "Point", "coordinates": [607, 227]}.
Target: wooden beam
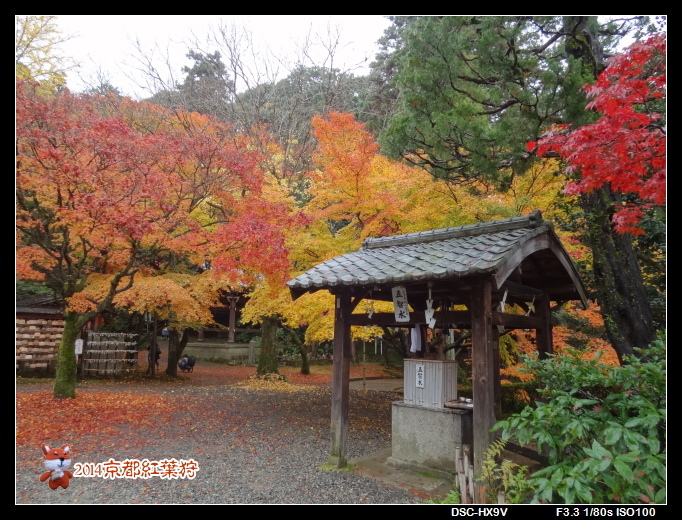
{"type": "Point", "coordinates": [522, 291]}
{"type": "Point", "coordinates": [460, 318]}
{"type": "Point", "coordinates": [340, 381]}
{"type": "Point", "coordinates": [483, 377]}
{"type": "Point", "coordinates": [387, 319]}
{"type": "Point", "coordinates": [512, 262]}
{"type": "Point", "coordinates": [516, 321]}
{"type": "Point", "coordinates": [356, 300]}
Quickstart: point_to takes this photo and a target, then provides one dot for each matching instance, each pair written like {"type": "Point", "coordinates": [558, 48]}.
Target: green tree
{"type": "Point", "coordinates": [207, 87]}
{"type": "Point", "coordinates": [287, 107]}
{"type": "Point", "coordinates": [475, 90]}
{"type": "Point", "coordinates": [105, 88]}
{"type": "Point", "coordinates": [36, 52]}
{"type": "Point", "coordinates": [380, 101]}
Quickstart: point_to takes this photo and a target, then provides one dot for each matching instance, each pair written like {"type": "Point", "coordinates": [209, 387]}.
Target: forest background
{"type": "Point", "coordinates": [232, 178]}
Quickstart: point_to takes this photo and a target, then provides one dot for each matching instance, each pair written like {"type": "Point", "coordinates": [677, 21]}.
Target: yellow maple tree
{"type": "Point", "coordinates": [36, 51]}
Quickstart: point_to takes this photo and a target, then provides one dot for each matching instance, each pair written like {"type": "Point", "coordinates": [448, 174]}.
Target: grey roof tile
{"type": "Point", "coordinates": [434, 254]}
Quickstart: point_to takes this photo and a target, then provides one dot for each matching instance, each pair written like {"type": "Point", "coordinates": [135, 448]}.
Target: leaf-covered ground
{"type": "Point", "coordinates": [140, 403]}
{"type": "Point", "coordinates": [267, 435]}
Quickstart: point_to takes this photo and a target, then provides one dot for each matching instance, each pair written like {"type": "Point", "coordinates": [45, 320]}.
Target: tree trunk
{"type": "Point", "coordinates": [441, 347]}
{"type": "Point", "coordinates": [395, 339]}
{"type": "Point", "coordinates": [176, 345]}
{"type": "Point", "coordinates": [305, 363]}
{"type": "Point", "coordinates": [153, 347]}
{"type": "Point", "coordinates": [618, 280]}
{"type": "Point", "coordinates": [267, 361]}
{"type": "Point", "coordinates": [65, 380]}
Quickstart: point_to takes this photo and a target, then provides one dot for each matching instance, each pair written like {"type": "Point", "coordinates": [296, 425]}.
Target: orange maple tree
{"type": "Point", "coordinates": [353, 183]}
{"type": "Point", "coordinates": [356, 193]}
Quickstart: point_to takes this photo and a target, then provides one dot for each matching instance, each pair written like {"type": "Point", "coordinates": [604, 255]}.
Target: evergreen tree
{"type": "Point", "coordinates": [473, 91]}
{"type": "Point", "coordinates": [207, 87]}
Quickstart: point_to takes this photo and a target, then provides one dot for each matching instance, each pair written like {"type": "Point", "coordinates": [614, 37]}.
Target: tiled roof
{"type": "Point", "coordinates": [431, 255]}
{"type": "Point", "coordinates": [41, 304]}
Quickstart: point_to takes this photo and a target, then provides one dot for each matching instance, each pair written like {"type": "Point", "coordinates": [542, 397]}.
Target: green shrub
{"type": "Point", "coordinates": [602, 428]}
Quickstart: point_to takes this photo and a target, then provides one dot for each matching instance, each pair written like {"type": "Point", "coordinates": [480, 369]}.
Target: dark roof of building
{"type": "Point", "coordinates": [40, 304]}
{"type": "Point", "coordinates": [526, 247]}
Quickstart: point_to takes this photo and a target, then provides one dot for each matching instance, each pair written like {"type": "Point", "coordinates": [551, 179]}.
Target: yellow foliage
{"type": "Point", "coordinates": [379, 197]}
{"type": "Point", "coordinates": [181, 298]}
{"type": "Point", "coordinates": [357, 193]}
{"type": "Point", "coordinates": [315, 311]}
{"type": "Point", "coordinates": [36, 41]}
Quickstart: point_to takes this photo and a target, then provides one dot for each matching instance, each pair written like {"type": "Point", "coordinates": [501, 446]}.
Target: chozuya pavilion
{"type": "Point", "coordinates": [483, 268]}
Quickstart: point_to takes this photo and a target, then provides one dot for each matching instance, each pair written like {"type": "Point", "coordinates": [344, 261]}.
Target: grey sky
{"type": "Point", "coordinates": [105, 42]}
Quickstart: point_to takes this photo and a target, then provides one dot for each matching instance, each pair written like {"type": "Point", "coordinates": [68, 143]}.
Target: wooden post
{"type": "Point", "coordinates": [480, 492]}
{"type": "Point", "coordinates": [495, 346]}
{"type": "Point", "coordinates": [340, 381]}
{"type": "Point", "coordinates": [483, 377]}
{"type": "Point", "coordinates": [543, 336]}
{"type": "Point", "coordinates": [364, 367]}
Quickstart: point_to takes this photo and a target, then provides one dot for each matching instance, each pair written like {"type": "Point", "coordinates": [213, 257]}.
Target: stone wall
{"type": "Point", "coordinates": [238, 352]}
{"type": "Point", "coordinates": [37, 342]}
{"type": "Point", "coordinates": [432, 448]}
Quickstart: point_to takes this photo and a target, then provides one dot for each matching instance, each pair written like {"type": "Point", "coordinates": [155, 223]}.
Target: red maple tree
{"type": "Point", "coordinates": [132, 188]}
{"type": "Point", "coordinates": [626, 147]}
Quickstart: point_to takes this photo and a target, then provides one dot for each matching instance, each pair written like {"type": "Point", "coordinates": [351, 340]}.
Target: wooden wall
{"type": "Point", "coordinates": [37, 342]}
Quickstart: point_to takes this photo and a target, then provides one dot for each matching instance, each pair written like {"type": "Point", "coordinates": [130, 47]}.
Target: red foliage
{"type": "Point", "coordinates": [40, 416]}
{"type": "Point", "coordinates": [115, 189]}
{"type": "Point", "coordinates": [102, 413]}
{"type": "Point", "coordinates": [626, 148]}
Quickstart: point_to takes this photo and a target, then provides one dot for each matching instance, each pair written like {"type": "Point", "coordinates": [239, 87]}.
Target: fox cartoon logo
{"type": "Point", "coordinates": [57, 461]}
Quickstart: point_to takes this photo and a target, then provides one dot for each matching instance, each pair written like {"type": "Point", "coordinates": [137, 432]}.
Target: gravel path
{"type": "Point", "coordinates": [251, 446]}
